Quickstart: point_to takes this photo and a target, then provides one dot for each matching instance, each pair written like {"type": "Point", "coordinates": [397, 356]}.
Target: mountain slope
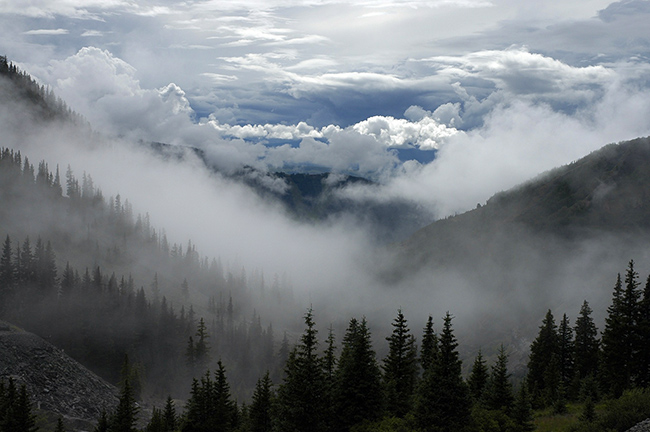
{"type": "Point", "coordinates": [54, 381]}
{"type": "Point", "coordinates": [605, 192]}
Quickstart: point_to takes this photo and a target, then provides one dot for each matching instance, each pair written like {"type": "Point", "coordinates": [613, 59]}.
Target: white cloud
{"type": "Point", "coordinates": [48, 32]}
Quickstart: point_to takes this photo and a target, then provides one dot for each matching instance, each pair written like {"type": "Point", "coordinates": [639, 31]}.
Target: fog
{"type": "Point", "coordinates": [337, 266]}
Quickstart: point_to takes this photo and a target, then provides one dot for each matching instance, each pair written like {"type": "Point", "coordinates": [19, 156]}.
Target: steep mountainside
{"type": "Point", "coordinates": [55, 382]}
{"type": "Point", "coordinates": [605, 192]}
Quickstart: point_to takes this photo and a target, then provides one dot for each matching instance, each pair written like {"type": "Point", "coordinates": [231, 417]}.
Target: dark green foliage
{"type": "Point", "coordinates": [400, 368]}
{"type": "Point", "coordinates": [210, 407]}
{"type": "Point", "coordinates": [358, 392]}
{"type": "Point", "coordinates": [59, 425]}
{"type": "Point", "coordinates": [642, 363]}
{"type": "Point", "coordinates": [259, 413]}
{"type": "Point", "coordinates": [478, 378]}
{"type": "Point", "coordinates": [565, 352]}
{"type": "Point", "coordinates": [623, 413]}
{"type": "Point", "coordinates": [429, 348]}
{"type": "Point", "coordinates": [586, 344]}
{"type": "Point", "coordinates": [498, 394]}
{"type": "Point", "coordinates": [620, 337]}
{"type": "Point", "coordinates": [125, 415]}
{"type": "Point", "coordinates": [443, 400]}
{"type": "Point", "coordinates": [102, 424]}
{"type": "Point", "coordinates": [588, 412]}
{"type": "Point", "coordinates": [301, 402]}
{"type": "Point", "coordinates": [15, 409]}
{"type": "Point", "coordinates": [169, 415]}
{"type": "Point", "coordinates": [543, 368]}
{"type": "Point", "coordinates": [522, 410]}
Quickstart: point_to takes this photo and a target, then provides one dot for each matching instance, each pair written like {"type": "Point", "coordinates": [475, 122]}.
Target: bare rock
{"type": "Point", "coordinates": [54, 381]}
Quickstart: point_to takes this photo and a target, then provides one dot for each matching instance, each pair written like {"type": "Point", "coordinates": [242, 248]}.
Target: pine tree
{"type": "Point", "coordinates": [125, 416]}
{"type": "Point", "coordinates": [542, 363]}
{"type": "Point", "coordinates": [565, 352]}
{"type": "Point", "coordinates": [586, 344]}
{"type": "Point", "coordinates": [102, 424]}
{"type": "Point", "coordinates": [201, 349]}
{"type": "Point", "coordinates": [429, 349]}
{"type": "Point", "coordinates": [169, 415]}
{"type": "Point", "coordinates": [400, 368]}
{"type": "Point", "coordinates": [478, 378]}
{"type": "Point", "coordinates": [7, 273]}
{"type": "Point", "coordinates": [522, 410]}
{"type": "Point", "coordinates": [620, 338]}
{"type": "Point", "coordinates": [301, 405]}
{"type": "Point", "coordinates": [260, 409]}
{"type": "Point", "coordinates": [498, 394]}
{"type": "Point", "coordinates": [642, 363]}
{"type": "Point", "coordinates": [443, 400]}
{"type": "Point", "coordinates": [358, 394]}
{"type": "Point", "coordinates": [59, 425]}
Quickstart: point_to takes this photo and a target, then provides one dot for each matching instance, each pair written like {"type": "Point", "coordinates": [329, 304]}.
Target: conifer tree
{"type": "Point", "coordinates": [543, 364]}
{"type": "Point", "coordinates": [358, 395]}
{"type": "Point", "coordinates": [169, 415]}
{"type": "Point", "coordinates": [642, 363]}
{"type": "Point", "coordinates": [7, 273]}
{"type": "Point", "coordinates": [443, 401]}
{"type": "Point", "coordinates": [59, 425]}
{"type": "Point", "coordinates": [125, 416]}
{"type": "Point", "coordinates": [478, 377]}
{"type": "Point", "coordinates": [620, 337]}
{"type": "Point", "coordinates": [498, 394]}
{"type": "Point", "coordinates": [260, 410]}
{"type": "Point", "coordinates": [522, 410]}
{"type": "Point", "coordinates": [586, 344]}
{"type": "Point", "coordinates": [400, 368]}
{"type": "Point", "coordinates": [301, 405]}
{"type": "Point", "coordinates": [429, 349]}
{"type": "Point", "coordinates": [565, 352]}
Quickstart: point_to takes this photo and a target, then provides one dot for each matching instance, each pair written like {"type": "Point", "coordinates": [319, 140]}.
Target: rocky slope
{"type": "Point", "coordinates": [55, 382]}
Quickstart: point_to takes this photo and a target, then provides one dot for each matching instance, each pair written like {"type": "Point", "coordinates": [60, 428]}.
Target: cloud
{"type": "Point", "coordinates": [47, 32]}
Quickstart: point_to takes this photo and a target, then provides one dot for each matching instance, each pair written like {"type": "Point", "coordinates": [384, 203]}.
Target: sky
{"type": "Point", "coordinates": [456, 99]}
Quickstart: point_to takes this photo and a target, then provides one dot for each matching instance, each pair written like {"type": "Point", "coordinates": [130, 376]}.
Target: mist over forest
{"type": "Point", "coordinates": [142, 244]}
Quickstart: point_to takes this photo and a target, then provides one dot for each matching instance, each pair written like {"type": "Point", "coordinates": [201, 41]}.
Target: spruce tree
{"type": "Point", "coordinates": [498, 394]}
{"type": "Point", "coordinates": [522, 410]}
{"type": "Point", "coordinates": [586, 344]}
{"type": "Point", "coordinates": [169, 415]}
{"type": "Point", "coordinates": [7, 273]}
{"type": "Point", "coordinates": [478, 377]}
{"type": "Point", "coordinates": [543, 370]}
{"type": "Point", "coordinates": [642, 363]}
{"type": "Point", "coordinates": [620, 338]}
{"type": "Point", "coordinates": [565, 352]}
{"type": "Point", "coordinates": [443, 400]}
{"type": "Point", "coordinates": [301, 405]}
{"type": "Point", "coordinates": [125, 416]}
{"type": "Point", "coordinates": [358, 395]}
{"type": "Point", "coordinates": [400, 368]}
{"type": "Point", "coordinates": [429, 348]}
{"type": "Point", "coordinates": [260, 410]}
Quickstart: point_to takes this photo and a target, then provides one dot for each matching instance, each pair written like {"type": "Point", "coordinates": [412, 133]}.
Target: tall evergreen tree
{"type": "Point", "coordinates": [358, 394]}
{"type": "Point", "coordinates": [443, 401]}
{"type": "Point", "coordinates": [498, 394]}
{"type": "Point", "coordinates": [642, 364]}
{"type": "Point", "coordinates": [620, 337]}
{"type": "Point", "coordinates": [522, 410]}
{"type": "Point", "coordinates": [586, 344]}
{"type": "Point", "coordinates": [260, 409]}
{"type": "Point", "coordinates": [301, 405]}
{"type": "Point", "coordinates": [7, 273]}
{"type": "Point", "coordinates": [125, 416]}
{"type": "Point", "coordinates": [429, 348]}
{"type": "Point", "coordinates": [565, 351]}
{"type": "Point", "coordinates": [478, 377]}
{"type": "Point", "coordinates": [400, 368]}
{"type": "Point", "coordinates": [543, 364]}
